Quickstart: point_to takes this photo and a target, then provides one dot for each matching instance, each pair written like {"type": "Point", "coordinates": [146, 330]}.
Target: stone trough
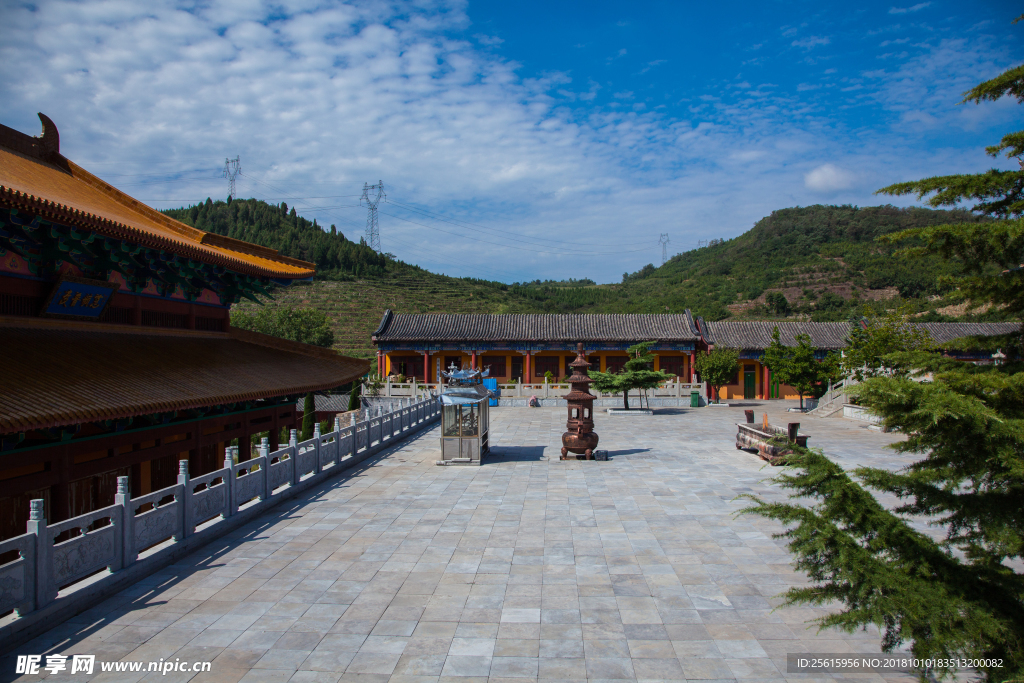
{"type": "Point", "coordinates": [771, 442]}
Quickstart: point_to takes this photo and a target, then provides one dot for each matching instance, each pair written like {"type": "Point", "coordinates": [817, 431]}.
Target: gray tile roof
{"type": "Point", "coordinates": [332, 403]}
{"type": "Point", "coordinates": [399, 327]}
{"type": "Point", "coordinates": [758, 335]}
{"type": "Point", "coordinates": [944, 332]}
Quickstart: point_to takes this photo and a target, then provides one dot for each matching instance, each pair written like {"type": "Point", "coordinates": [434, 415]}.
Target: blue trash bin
{"type": "Point", "coordinates": [492, 384]}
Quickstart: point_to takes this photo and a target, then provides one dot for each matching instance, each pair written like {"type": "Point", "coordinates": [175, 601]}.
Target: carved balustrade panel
{"type": "Point", "coordinates": [157, 525]}
{"type": "Point", "coordinates": [306, 460]}
{"type": "Point", "coordinates": [248, 486]}
{"type": "Point", "coordinates": [17, 577]}
{"type": "Point", "coordinates": [280, 472]}
{"type": "Point", "coordinates": [210, 502]}
{"type": "Point", "coordinates": [82, 555]}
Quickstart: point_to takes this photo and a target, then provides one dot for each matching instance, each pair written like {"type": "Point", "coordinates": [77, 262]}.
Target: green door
{"type": "Point", "coordinates": [749, 380]}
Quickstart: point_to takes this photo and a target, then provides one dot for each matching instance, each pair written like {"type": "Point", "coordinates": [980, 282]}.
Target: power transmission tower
{"type": "Point", "coordinates": [372, 194]}
{"type": "Point", "coordinates": [232, 169]}
{"type": "Point", "coordinates": [663, 241]}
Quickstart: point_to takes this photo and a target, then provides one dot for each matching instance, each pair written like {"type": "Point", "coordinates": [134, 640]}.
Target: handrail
{"type": "Point", "coordinates": [109, 540]}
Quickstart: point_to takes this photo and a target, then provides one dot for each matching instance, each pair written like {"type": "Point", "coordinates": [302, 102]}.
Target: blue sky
{"type": "Point", "coordinates": [515, 140]}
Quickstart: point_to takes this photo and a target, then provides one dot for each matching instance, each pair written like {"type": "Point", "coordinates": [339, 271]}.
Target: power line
{"type": "Point", "coordinates": [511, 246]}
{"type": "Point", "coordinates": [501, 233]}
{"type": "Point", "coordinates": [372, 194]}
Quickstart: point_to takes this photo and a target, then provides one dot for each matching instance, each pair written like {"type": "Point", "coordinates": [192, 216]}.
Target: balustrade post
{"type": "Point", "coordinates": [265, 467]}
{"type": "Point", "coordinates": [231, 478]}
{"type": "Point", "coordinates": [36, 526]}
{"type": "Point", "coordinates": [123, 498]}
{"type": "Point", "coordinates": [316, 453]}
{"type": "Point", "coordinates": [186, 518]}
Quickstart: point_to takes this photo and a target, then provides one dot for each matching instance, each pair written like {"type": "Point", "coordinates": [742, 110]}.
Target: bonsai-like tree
{"type": "Point", "coordinates": [797, 365]}
{"type": "Point", "coordinates": [636, 374]}
{"type": "Point", "coordinates": [960, 596]}
{"type": "Point", "coordinates": [717, 367]}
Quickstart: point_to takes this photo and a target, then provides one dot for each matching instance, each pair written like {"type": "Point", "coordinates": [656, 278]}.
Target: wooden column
{"type": "Point", "coordinates": [426, 367]}
{"type": "Point", "coordinates": [528, 376]}
{"type": "Point", "coordinates": [191, 316]}
{"type": "Point", "coordinates": [472, 361]}
{"type": "Point", "coordinates": [693, 372]}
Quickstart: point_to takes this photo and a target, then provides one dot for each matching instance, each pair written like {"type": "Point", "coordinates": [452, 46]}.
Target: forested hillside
{"type": "Point", "coordinates": [822, 260]}
{"type": "Point", "coordinates": [277, 227]}
{"type": "Point", "coordinates": [816, 262]}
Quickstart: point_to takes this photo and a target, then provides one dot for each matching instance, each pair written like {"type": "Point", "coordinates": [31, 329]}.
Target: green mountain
{"type": "Point", "coordinates": [816, 262]}
{"type": "Point", "coordinates": [804, 254]}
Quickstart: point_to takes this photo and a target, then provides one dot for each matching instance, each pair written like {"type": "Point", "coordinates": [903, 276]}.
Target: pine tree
{"type": "Point", "coordinates": [961, 596]}
{"type": "Point", "coordinates": [798, 365]}
{"type": "Point", "coordinates": [308, 416]}
{"type": "Point", "coordinates": [636, 374]}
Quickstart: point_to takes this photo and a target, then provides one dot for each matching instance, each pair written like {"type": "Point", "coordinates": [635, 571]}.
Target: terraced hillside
{"type": "Point", "coordinates": [356, 307]}
{"type": "Point", "coordinates": [816, 262]}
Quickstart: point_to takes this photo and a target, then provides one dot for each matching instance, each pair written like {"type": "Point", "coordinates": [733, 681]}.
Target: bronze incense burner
{"type": "Point", "coordinates": [581, 438]}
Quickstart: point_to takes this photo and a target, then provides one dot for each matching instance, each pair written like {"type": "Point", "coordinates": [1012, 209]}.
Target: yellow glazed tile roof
{"type": "Point", "coordinates": [35, 178]}
{"type": "Point", "coordinates": [118, 371]}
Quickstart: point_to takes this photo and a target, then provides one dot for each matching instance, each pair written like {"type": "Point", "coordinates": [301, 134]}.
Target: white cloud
{"type": "Point", "coordinates": [907, 10]}
{"type": "Point", "coordinates": [829, 178]}
{"type": "Point", "coordinates": [318, 97]}
{"type": "Point", "coordinates": [811, 42]}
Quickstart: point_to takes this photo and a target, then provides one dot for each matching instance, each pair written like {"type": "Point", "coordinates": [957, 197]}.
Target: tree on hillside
{"type": "Point", "coordinates": [717, 367]}
{"type": "Point", "coordinates": [636, 374]}
{"type": "Point", "coordinates": [869, 353]}
{"type": "Point", "coordinates": [306, 325]}
{"type": "Point", "coordinates": [961, 596]}
{"type": "Point", "coordinates": [777, 303]}
{"type": "Point", "coordinates": [797, 365]}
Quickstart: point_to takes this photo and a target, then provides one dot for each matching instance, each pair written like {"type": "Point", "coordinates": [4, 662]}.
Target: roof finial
{"type": "Point", "coordinates": [50, 139]}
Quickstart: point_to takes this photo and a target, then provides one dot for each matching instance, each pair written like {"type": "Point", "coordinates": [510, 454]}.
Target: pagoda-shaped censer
{"type": "Point", "coordinates": [580, 438]}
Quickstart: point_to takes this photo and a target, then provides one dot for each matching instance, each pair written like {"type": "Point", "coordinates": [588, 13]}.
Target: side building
{"type": "Point", "coordinates": [754, 380]}
{"type": "Point", "coordinates": [119, 359]}
{"type": "Point", "coordinates": [525, 347]}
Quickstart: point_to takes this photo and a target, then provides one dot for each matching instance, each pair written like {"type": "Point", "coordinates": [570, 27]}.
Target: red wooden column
{"type": "Point", "coordinates": [528, 379]}
{"type": "Point", "coordinates": [693, 373]}
{"type": "Point", "coordinates": [426, 367]}
{"type": "Point", "coordinates": [766, 386]}
{"type": "Point", "coordinates": [472, 362]}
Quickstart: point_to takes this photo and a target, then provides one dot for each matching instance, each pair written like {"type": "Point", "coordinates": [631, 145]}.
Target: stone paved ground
{"type": "Point", "coordinates": [526, 567]}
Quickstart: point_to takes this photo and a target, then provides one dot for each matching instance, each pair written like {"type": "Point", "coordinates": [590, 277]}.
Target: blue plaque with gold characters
{"type": "Point", "coordinates": [78, 298]}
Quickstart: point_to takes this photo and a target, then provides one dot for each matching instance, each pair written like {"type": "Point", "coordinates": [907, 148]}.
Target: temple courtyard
{"type": "Point", "coordinates": [527, 567]}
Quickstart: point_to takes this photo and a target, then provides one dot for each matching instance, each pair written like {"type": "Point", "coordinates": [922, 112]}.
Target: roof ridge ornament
{"type": "Point", "coordinates": [49, 140]}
